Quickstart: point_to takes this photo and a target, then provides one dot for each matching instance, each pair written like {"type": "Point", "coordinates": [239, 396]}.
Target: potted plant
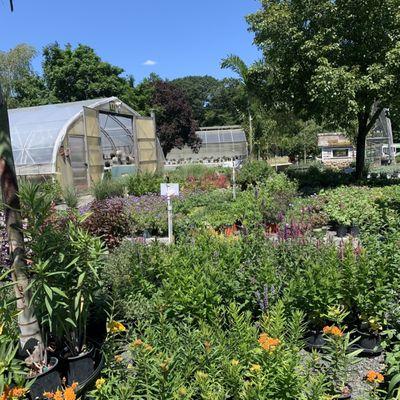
{"type": "Point", "coordinates": [369, 333]}
{"type": "Point", "coordinates": [64, 286]}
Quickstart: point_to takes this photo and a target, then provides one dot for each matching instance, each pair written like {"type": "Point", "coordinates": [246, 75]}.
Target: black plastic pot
{"type": "Point", "coordinates": [369, 342]}
{"type": "Point", "coordinates": [354, 231]}
{"type": "Point", "coordinates": [341, 230]}
{"type": "Point", "coordinates": [98, 360]}
{"type": "Point", "coordinates": [80, 368]}
{"type": "Point", "coordinates": [48, 381]}
{"type": "Point", "coordinates": [315, 340]}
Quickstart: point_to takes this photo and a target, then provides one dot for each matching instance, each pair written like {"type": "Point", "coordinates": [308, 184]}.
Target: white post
{"type": "Point", "coordinates": [169, 209]}
{"type": "Point", "coordinates": [233, 180]}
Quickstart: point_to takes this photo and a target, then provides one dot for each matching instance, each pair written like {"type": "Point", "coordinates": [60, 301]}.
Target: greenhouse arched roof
{"type": "Point", "coordinates": [37, 132]}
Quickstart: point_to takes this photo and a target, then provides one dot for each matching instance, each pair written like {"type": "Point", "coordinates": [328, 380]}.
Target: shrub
{"type": "Point", "coordinates": [254, 172]}
{"type": "Point", "coordinates": [143, 183]}
{"type": "Point", "coordinates": [107, 189]}
{"type": "Point", "coordinates": [108, 220]}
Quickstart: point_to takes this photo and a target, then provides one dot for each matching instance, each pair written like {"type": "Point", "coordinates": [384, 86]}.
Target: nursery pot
{"type": "Point", "coordinates": [98, 363]}
{"type": "Point", "coordinates": [79, 368]}
{"type": "Point", "coordinates": [48, 381]}
{"type": "Point", "coordinates": [315, 340]}
{"type": "Point", "coordinates": [341, 230]}
{"type": "Point", "coordinates": [354, 231]}
{"type": "Point", "coordinates": [369, 342]}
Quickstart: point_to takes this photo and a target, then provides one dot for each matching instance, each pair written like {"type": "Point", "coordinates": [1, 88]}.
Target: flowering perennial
{"type": "Point", "coordinates": [268, 343]}
{"type": "Point", "coordinates": [332, 330]}
{"type": "Point", "coordinates": [374, 377]}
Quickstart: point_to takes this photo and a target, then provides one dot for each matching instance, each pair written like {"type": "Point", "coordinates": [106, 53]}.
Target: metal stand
{"type": "Point", "coordinates": [170, 228]}
{"type": "Point", "coordinates": [233, 180]}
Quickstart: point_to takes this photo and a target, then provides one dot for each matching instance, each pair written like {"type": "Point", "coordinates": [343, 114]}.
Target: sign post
{"type": "Point", "coordinates": [233, 179]}
{"type": "Point", "coordinates": [168, 190]}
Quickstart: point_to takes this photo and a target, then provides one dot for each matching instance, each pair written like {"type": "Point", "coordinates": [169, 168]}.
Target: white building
{"type": "Point", "coordinates": [336, 149]}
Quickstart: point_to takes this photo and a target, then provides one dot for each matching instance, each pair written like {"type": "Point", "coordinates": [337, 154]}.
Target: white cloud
{"type": "Point", "coordinates": [149, 63]}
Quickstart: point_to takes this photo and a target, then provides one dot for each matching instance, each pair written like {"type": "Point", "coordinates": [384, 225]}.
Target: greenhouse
{"type": "Point", "coordinates": [219, 144]}
{"type": "Point", "coordinates": [74, 142]}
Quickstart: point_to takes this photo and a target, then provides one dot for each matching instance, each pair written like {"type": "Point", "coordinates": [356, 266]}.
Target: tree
{"type": "Point", "coordinates": [199, 91]}
{"type": "Point", "coordinates": [237, 65]}
{"type": "Point", "coordinates": [80, 74]}
{"type": "Point", "coordinates": [334, 60]}
{"type": "Point", "coordinates": [14, 66]}
{"type": "Point", "coordinates": [174, 118]}
{"type": "Point", "coordinates": [228, 105]}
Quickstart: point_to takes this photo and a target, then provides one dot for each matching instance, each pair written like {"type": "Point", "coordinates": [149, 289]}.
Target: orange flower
{"type": "Point", "coordinates": [48, 395]}
{"type": "Point", "coordinates": [58, 395]}
{"type": "Point", "coordinates": [13, 393]}
{"type": "Point", "coordinates": [69, 394]}
{"type": "Point", "coordinates": [332, 330]}
{"type": "Point", "coordinates": [268, 343]}
{"type": "Point", "coordinates": [137, 342]}
{"type": "Point", "coordinates": [374, 377]}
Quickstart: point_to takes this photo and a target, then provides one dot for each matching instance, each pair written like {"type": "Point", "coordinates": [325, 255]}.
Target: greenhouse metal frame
{"type": "Point", "coordinates": [72, 142]}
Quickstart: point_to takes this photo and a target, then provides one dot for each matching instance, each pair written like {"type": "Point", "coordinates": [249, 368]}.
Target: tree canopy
{"type": "Point", "coordinates": [332, 60]}
{"type": "Point", "coordinates": [15, 64]}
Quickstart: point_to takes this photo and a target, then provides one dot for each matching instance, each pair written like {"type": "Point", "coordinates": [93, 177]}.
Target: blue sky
{"type": "Point", "coordinates": [169, 37]}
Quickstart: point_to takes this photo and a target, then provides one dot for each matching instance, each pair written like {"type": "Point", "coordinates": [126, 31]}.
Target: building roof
{"type": "Point", "coordinates": [333, 140]}
{"type": "Point", "coordinates": [212, 135]}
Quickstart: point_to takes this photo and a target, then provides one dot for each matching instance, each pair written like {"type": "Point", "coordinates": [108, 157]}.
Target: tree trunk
{"type": "Point", "coordinates": [361, 138]}
{"type": "Point", "coordinates": [366, 122]}
{"type": "Point", "coordinates": [27, 321]}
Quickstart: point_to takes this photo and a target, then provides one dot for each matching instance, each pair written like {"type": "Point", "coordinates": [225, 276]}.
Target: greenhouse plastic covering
{"type": "Point", "coordinates": [216, 144]}
{"type": "Point", "coordinates": [36, 132]}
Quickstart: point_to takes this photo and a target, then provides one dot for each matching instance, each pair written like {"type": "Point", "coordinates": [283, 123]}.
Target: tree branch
{"type": "Point", "coordinates": [374, 118]}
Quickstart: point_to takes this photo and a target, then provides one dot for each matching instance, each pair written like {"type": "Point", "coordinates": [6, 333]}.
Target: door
{"type": "Point", "coordinates": [78, 161]}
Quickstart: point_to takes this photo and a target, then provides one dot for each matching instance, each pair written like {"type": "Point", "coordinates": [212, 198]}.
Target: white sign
{"type": "Point", "coordinates": [169, 189]}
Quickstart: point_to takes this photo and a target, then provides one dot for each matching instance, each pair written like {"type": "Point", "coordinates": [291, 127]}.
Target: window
{"type": "Point", "coordinates": [340, 153]}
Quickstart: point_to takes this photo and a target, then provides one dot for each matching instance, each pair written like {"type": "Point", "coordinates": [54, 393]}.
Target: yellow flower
{"type": "Point", "coordinates": [130, 366]}
{"type": "Point", "coordinates": [1, 328]}
{"type": "Point", "coordinates": [202, 376]}
{"type": "Point", "coordinates": [100, 382]}
{"type": "Point", "coordinates": [235, 363]}
{"type": "Point", "coordinates": [148, 347]}
{"type": "Point", "coordinates": [115, 327]}
{"type": "Point", "coordinates": [137, 343]}
{"type": "Point", "coordinates": [182, 392]}
{"type": "Point", "coordinates": [118, 358]}
{"type": "Point", "coordinates": [255, 368]}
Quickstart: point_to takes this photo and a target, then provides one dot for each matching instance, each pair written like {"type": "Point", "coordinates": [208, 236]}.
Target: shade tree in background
{"type": "Point", "coordinates": [335, 61]}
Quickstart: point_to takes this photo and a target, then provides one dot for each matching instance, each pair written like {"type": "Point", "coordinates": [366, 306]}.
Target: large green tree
{"type": "Point", "coordinates": [199, 91]}
{"type": "Point", "coordinates": [334, 60]}
{"type": "Point", "coordinates": [72, 74]}
{"type": "Point", "coordinates": [79, 74]}
{"type": "Point", "coordinates": [15, 64]}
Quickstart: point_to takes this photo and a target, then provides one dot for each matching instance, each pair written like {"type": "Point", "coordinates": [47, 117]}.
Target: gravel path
{"type": "Point", "coordinates": [358, 372]}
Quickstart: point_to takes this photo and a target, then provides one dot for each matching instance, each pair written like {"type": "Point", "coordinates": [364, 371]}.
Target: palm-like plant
{"type": "Point", "coordinates": [27, 321]}
{"type": "Point", "coordinates": [237, 65]}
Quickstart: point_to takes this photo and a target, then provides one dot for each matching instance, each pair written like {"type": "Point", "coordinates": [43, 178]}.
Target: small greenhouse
{"type": "Point", "coordinates": [219, 143]}
{"type": "Point", "coordinates": [75, 142]}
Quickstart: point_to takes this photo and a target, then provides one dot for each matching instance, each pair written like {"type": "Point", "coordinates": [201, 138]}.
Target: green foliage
{"type": "Point", "coordinates": [108, 188]}
{"type": "Point", "coordinates": [70, 197]}
{"type": "Point", "coordinates": [218, 361]}
{"type": "Point", "coordinates": [15, 64]}
{"type": "Point", "coordinates": [310, 67]}
{"type": "Point", "coordinates": [254, 172]}
{"type": "Point", "coordinates": [142, 183]}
